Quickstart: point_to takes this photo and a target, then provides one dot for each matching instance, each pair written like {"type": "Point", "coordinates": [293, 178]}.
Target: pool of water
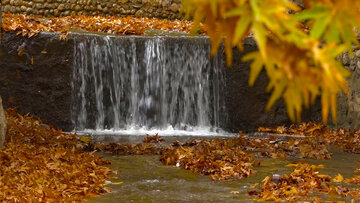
{"type": "Point", "coordinates": [146, 179]}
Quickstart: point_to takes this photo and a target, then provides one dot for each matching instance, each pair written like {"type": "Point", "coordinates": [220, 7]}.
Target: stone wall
{"type": "Point", "coordinates": [140, 8]}
{"type": "Point", "coordinates": [247, 105]}
{"type": "Point", "coordinates": [38, 81]}
{"type": "Point", "coordinates": [349, 104]}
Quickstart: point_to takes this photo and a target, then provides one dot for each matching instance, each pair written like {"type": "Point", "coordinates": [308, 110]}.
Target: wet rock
{"type": "Point", "coordinates": [2, 125]}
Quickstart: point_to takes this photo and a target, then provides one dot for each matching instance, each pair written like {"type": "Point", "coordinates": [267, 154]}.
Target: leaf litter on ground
{"type": "Point", "coordinates": [42, 164]}
{"type": "Point", "coordinates": [304, 184]}
{"type": "Point", "coordinates": [32, 25]}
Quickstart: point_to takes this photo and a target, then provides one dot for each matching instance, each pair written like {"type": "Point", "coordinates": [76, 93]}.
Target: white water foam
{"type": "Point", "coordinates": [170, 131]}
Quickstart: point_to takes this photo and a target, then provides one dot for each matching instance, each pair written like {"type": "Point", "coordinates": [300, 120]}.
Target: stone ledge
{"type": "Point", "coordinates": [168, 9]}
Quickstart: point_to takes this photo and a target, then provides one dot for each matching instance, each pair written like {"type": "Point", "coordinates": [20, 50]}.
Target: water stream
{"type": "Point", "coordinates": [137, 85]}
{"type": "Point", "coordinates": [146, 179]}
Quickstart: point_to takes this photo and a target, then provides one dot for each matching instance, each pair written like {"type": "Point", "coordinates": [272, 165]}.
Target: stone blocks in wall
{"type": "Point", "coordinates": [348, 111]}
{"type": "Point", "coordinates": [139, 8]}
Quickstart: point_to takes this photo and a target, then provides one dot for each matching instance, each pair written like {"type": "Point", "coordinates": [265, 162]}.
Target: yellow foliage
{"type": "Point", "coordinates": [301, 64]}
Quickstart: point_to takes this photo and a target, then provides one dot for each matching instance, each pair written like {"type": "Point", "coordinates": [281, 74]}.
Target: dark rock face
{"type": "Point", "coordinates": [246, 105]}
{"type": "Point", "coordinates": [35, 76]}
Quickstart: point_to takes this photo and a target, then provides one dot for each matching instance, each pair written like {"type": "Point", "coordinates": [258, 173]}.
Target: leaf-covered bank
{"type": "Point", "coordinates": [42, 164]}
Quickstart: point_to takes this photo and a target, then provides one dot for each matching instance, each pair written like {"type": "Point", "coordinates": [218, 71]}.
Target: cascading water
{"type": "Point", "coordinates": [134, 85]}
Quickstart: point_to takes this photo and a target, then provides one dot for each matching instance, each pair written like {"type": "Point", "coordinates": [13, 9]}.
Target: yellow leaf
{"type": "Point", "coordinates": [293, 191]}
{"type": "Point", "coordinates": [85, 139]}
{"type": "Point", "coordinates": [241, 28]}
{"type": "Point", "coordinates": [117, 183]}
{"type": "Point", "coordinates": [338, 178]}
{"type": "Point", "coordinates": [292, 165]}
{"type": "Point", "coordinates": [21, 52]}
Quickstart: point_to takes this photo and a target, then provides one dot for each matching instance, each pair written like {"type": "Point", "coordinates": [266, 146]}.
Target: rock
{"type": "Point", "coordinates": [346, 59]}
{"type": "Point", "coordinates": [175, 7]}
{"type": "Point", "coordinates": [12, 9]}
{"type": "Point", "coordinates": [357, 53]}
{"type": "Point", "coordinates": [7, 8]}
{"type": "Point", "coordinates": [77, 8]}
{"type": "Point", "coordinates": [23, 8]}
{"type": "Point", "coordinates": [29, 11]}
{"type": "Point", "coordinates": [56, 13]}
{"type": "Point", "coordinates": [39, 6]}
{"type": "Point", "coordinates": [165, 3]}
{"type": "Point", "coordinates": [139, 13]}
{"type": "Point", "coordinates": [105, 10]}
{"type": "Point", "coordinates": [23, 3]}
{"type": "Point", "coordinates": [2, 125]}
{"type": "Point", "coordinates": [61, 7]}
{"type": "Point", "coordinates": [66, 13]}
{"type": "Point", "coordinates": [358, 65]}
{"type": "Point", "coordinates": [126, 7]}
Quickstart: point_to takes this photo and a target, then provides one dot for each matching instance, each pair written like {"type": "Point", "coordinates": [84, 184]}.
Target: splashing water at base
{"type": "Point", "coordinates": [136, 85]}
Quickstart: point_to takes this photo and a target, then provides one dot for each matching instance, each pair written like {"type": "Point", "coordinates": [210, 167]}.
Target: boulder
{"type": "Point", "coordinates": [2, 125]}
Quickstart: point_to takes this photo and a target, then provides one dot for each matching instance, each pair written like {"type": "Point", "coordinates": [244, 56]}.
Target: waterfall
{"type": "Point", "coordinates": [147, 83]}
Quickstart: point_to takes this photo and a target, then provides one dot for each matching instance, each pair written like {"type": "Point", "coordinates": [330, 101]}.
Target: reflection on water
{"type": "Point", "coordinates": [146, 179]}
